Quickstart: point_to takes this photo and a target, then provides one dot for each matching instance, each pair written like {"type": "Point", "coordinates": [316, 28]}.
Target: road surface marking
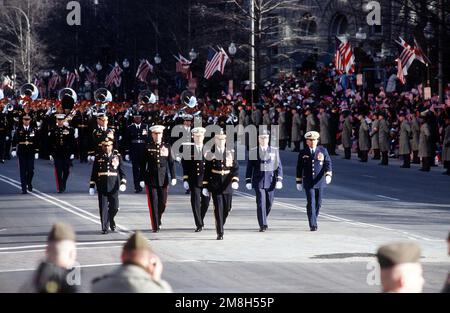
{"type": "Point", "coordinates": [78, 244]}
{"type": "Point", "coordinates": [64, 205]}
{"type": "Point", "coordinates": [368, 176]}
{"type": "Point", "coordinates": [340, 219]}
{"type": "Point", "coordinates": [82, 266]}
{"type": "Point", "coordinates": [389, 198]}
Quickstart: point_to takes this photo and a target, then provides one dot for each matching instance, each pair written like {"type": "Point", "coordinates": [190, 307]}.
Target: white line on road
{"type": "Point", "coordinates": [340, 219]}
{"type": "Point", "coordinates": [78, 244]}
{"type": "Point", "coordinates": [43, 250]}
{"type": "Point", "coordinates": [389, 198]}
{"type": "Point", "coordinates": [82, 266]}
{"type": "Point", "coordinates": [3, 229]}
{"type": "Point", "coordinates": [64, 205]}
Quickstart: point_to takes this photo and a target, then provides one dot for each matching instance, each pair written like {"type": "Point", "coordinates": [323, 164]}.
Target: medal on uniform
{"type": "Point", "coordinates": [164, 152]}
{"type": "Point", "coordinates": [320, 157]}
{"type": "Point", "coordinates": [115, 162]}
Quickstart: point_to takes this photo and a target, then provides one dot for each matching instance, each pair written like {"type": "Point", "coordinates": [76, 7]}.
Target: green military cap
{"type": "Point", "coordinates": [137, 241]}
{"type": "Point", "coordinates": [398, 253]}
{"type": "Point", "coordinates": [61, 231]}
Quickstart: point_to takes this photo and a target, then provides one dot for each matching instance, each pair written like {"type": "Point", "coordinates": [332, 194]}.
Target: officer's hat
{"type": "Point", "coordinates": [312, 135]}
{"type": "Point", "coordinates": [107, 142]}
{"type": "Point", "coordinates": [136, 114]}
{"type": "Point", "coordinates": [26, 117]}
{"type": "Point", "coordinates": [398, 253]}
{"type": "Point", "coordinates": [198, 130]}
{"type": "Point", "coordinates": [221, 135]}
{"type": "Point", "coordinates": [60, 116]}
{"type": "Point", "coordinates": [188, 117]}
{"type": "Point", "coordinates": [264, 134]}
{"type": "Point", "coordinates": [137, 241]}
{"type": "Point", "coordinates": [61, 231]}
{"type": "Point", "coordinates": [102, 116]}
{"type": "Point", "coordinates": [157, 129]}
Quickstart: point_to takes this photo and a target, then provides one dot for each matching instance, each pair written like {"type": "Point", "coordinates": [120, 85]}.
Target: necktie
{"type": "Point", "coordinates": [312, 151]}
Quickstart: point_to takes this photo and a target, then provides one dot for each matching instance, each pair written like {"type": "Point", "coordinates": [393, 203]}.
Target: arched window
{"type": "Point", "coordinates": [307, 25]}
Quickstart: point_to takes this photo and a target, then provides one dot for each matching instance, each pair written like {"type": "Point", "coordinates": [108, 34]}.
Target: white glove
{"type": "Point", "coordinates": [51, 158]}
{"type": "Point", "coordinates": [7, 138]}
{"type": "Point", "coordinates": [91, 191]}
{"type": "Point", "coordinates": [299, 187]}
{"type": "Point", "coordinates": [178, 159]}
{"type": "Point", "coordinates": [173, 182]}
{"type": "Point", "coordinates": [235, 186]}
{"type": "Point", "coordinates": [142, 184]}
{"type": "Point", "coordinates": [205, 192]}
{"type": "Point", "coordinates": [13, 154]}
{"type": "Point", "coordinates": [328, 179]}
{"type": "Point", "coordinates": [38, 124]}
{"type": "Point", "coordinates": [127, 158]}
{"type": "Point", "coordinates": [248, 186]}
{"type": "Point", "coordinates": [72, 156]}
{"type": "Point", "coordinates": [279, 185]}
{"type": "Point", "coordinates": [186, 185]}
{"type": "Point", "coordinates": [75, 135]}
{"type": "Point", "coordinates": [91, 158]}
{"type": "Point", "coordinates": [36, 156]}
{"type": "Point", "coordinates": [120, 138]}
{"type": "Point", "coordinates": [123, 187]}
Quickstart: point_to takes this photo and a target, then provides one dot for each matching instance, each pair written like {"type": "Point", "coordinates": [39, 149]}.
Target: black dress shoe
{"type": "Point", "coordinates": [155, 231]}
{"type": "Point", "coordinates": [266, 227]}
{"type": "Point", "coordinates": [262, 229]}
{"type": "Point", "coordinates": [24, 192]}
{"type": "Point", "coordinates": [113, 228]}
{"type": "Point", "coordinates": [219, 237]}
{"type": "Point", "coordinates": [30, 188]}
{"type": "Point", "coordinates": [199, 229]}
{"type": "Point", "coordinates": [314, 228]}
{"type": "Point", "coordinates": [104, 232]}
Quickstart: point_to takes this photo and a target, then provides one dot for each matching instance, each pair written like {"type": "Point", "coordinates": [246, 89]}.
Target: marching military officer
{"type": "Point", "coordinates": [264, 174]}
{"type": "Point", "coordinates": [404, 143]}
{"type": "Point", "coordinates": [158, 164]}
{"type": "Point", "coordinates": [137, 136]}
{"type": "Point", "coordinates": [221, 178]}
{"type": "Point", "coordinates": [81, 122]}
{"type": "Point", "coordinates": [108, 176]}
{"type": "Point", "coordinates": [99, 134]}
{"type": "Point", "coordinates": [383, 131]}
{"type": "Point", "coordinates": [314, 171]}
{"type": "Point", "coordinates": [193, 176]}
{"type": "Point", "coordinates": [25, 147]}
{"type": "Point", "coordinates": [61, 144]}
{"type": "Point", "coordinates": [363, 138]}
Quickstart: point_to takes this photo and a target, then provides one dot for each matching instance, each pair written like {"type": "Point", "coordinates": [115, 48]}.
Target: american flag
{"type": "Point", "coordinates": [344, 57]}
{"type": "Point", "coordinates": [91, 76]}
{"type": "Point", "coordinates": [407, 56]}
{"type": "Point", "coordinates": [71, 77]}
{"type": "Point", "coordinates": [144, 68]}
{"type": "Point", "coordinates": [183, 64]}
{"type": "Point", "coordinates": [114, 78]}
{"type": "Point", "coordinates": [401, 77]}
{"type": "Point", "coordinates": [216, 62]}
{"type": "Point", "coordinates": [54, 81]}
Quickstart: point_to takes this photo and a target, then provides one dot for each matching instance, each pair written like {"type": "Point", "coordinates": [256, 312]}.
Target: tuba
{"type": "Point", "coordinates": [147, 97]}
{"type": "Point", "coordinates": [103, 95]}
{"type": "Point", "coordinates": [29, 90]}
{"type": "Point", "coordinates": [188, 99]}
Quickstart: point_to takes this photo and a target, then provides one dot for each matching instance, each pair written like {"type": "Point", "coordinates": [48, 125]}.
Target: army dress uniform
{"type": "Point", "coordinates": [347, 130]}
{"type": "Point", "coordinates": [137, 136]}
{"type": "Point", "coordinates": [313, 166]}
{"type": "Point", "coordinates": [25, 144]}
{"type": "Point", "coordinates": [222, 170]}
{"type": "Point", "coordinates": [108, 176]}
{"type": "Point", "coordinates": [384, 141]}
{"type": "Point", "coordinates": [61, 144]}
{"type": "Point", "coordinates": [263, 173]}
{"type": "Point", "coordinates": [158, 164]}
{"type": "Point", "coordinates": [99, 135]}
{"type": "Point", "coordinates": [404, 143]}
{"type": "Point", "coordinates": [193, 174]}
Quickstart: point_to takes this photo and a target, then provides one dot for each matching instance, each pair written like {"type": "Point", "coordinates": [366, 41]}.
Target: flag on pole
{"type": "Point", "coordinates": [344, 57]}
{"type": "Point", "coordinates": [419, 53]}
{"type": "Point", "coordinates": [71, 77]}
{"type": "Point", "coordinates": [407, 56]}
{"type": "Point", "coordinates": [114, 78]}
{"type": "Point", "coordinates": [401, 77]}
{"type": "Point", "coordinates": [91, 76]}
{"type": "Point", "coordinates": [144, 69]}
{"type": "Point", "coordinates": [55, 80]}
{"type": "Point", "coordinates": [216, 62]}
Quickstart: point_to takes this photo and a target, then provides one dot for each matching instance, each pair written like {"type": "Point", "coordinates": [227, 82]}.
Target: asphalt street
{"type": "Point", "coordinates": [365, 206]}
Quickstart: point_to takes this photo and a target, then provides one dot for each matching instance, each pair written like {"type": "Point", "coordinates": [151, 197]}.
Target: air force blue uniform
{"type": "Point", "coordinates": [263, 173]}
{"type": "Point", "coordinates": [312, 168]}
